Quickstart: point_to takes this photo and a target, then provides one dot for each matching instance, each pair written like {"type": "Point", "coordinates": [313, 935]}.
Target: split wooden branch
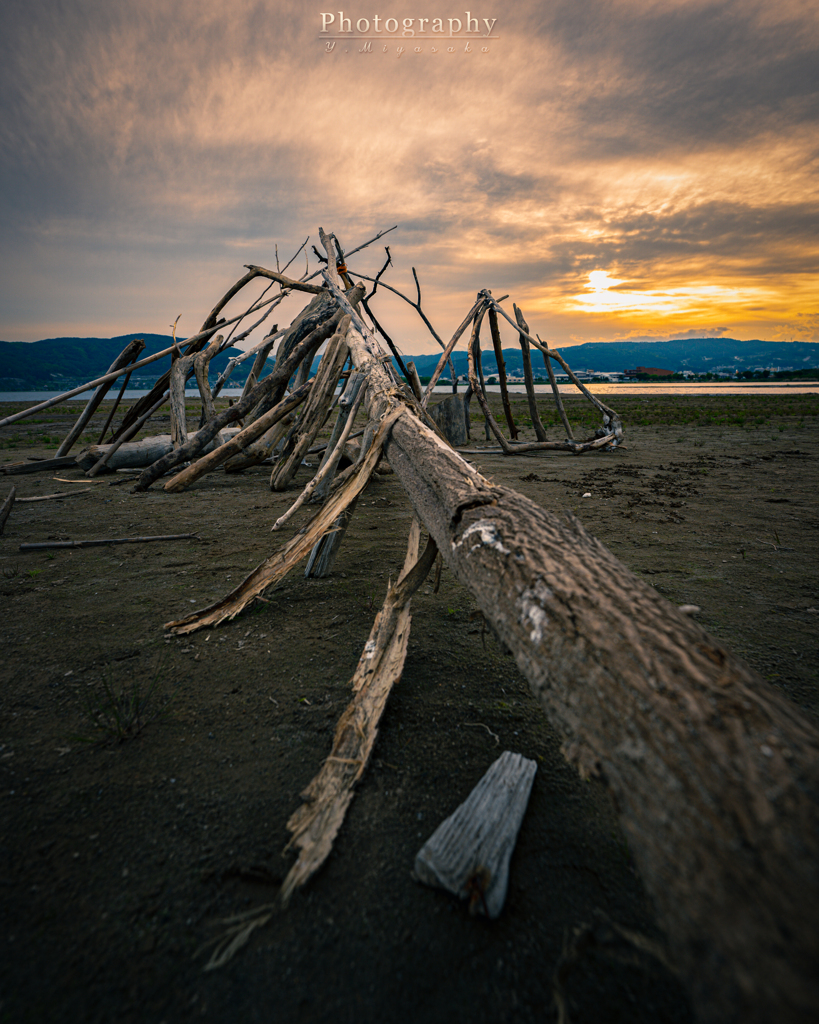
{"type": "Point", "coordinates": [316, 824]}
{"type": "Point", "coordinates": [279, 564]}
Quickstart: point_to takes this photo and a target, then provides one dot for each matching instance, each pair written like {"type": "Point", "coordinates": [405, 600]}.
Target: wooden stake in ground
{"type": "Point", "coordinates": [497, 345]}
{"type": "Point", "coordinates": [526, 359]}
{"type": "Point", "coordinates": [316, 824]}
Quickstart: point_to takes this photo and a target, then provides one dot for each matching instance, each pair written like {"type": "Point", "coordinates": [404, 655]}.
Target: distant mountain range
{"type": "Point", "coordinates": [700, 355]}
{"type": "Point", "coordinates": [61, 362]}
{"type": "Point", "coordinates": [58, 362]}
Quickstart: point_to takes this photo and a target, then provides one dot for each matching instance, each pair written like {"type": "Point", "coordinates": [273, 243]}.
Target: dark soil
{"type": "Point", "coordinates": [122, 848]}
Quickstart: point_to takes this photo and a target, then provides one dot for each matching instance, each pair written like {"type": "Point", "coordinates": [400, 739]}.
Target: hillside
{"type": "Point", "coordinates": [700, 355]}
{"type": "Point", "coordinates": [59, 362]}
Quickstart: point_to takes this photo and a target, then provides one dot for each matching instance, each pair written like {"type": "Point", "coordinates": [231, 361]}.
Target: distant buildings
{"type": "Point", "coordinates": [649, 371]}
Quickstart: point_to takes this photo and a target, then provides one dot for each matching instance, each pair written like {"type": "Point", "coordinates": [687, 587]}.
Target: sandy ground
{"type": "Point", "coordinates": [119, 859]}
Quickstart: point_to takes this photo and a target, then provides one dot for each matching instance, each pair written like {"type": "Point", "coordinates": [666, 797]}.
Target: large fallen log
{"type": "Point", "coordinates": [136, 454]}
{"type": "Point", "coordinates": [714, 774]}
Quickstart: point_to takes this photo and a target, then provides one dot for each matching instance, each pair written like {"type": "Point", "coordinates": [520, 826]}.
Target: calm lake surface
{"type": "Point", "coordinates": [732, 388]}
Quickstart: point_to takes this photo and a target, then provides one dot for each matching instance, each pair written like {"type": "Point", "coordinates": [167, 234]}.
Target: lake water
{"type": "Point", "coordinates": [713, 388]}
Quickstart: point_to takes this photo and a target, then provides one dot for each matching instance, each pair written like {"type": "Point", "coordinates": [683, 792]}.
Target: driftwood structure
{"type": "Point", "coordinates": [714, 775]}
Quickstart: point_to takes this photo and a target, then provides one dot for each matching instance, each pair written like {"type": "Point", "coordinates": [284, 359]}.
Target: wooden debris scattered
{"type": "Point", "coordinates": [469, 853]}
{"type": "Point", "coordinates": [65, 480]}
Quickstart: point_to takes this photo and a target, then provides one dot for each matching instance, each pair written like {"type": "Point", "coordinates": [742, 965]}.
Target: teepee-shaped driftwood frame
{"type": "Point", "coordinates": [715, 775]}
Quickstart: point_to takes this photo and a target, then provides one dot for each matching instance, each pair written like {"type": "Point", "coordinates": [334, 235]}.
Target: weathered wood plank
{"type": "Point", "coordinates": [469, 853]}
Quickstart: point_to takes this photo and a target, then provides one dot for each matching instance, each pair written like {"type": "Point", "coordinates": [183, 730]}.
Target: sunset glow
{"type": "Point", "coordinates": [659, 176]}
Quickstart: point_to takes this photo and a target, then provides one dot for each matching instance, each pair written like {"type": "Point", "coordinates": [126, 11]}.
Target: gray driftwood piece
{"type": "Point", "coordinates": [137, 454]}
{"type": "Point", "coordinates": [452, 416]}
{"type": "Point", "coordinates": [469, 853]}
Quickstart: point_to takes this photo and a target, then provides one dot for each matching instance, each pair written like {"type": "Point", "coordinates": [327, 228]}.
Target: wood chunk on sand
{"type": "Point", "coordinates": [469, 852]}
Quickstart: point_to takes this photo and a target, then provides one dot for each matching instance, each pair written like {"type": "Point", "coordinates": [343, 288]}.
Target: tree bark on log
{"type": "Point", "coordinates": [715, 775]}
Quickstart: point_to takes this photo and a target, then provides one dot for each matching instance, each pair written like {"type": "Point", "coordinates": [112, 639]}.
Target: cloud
{"type": "Point", "coordinates": [148, 150]}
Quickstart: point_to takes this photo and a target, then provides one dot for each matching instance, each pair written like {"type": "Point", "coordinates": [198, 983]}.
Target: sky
{"type": "Point", "coordinates": [623, 169]}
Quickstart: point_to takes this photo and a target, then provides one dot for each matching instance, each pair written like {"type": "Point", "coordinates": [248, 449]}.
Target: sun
{"type": "Point", "coordinates": [600, 280]}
